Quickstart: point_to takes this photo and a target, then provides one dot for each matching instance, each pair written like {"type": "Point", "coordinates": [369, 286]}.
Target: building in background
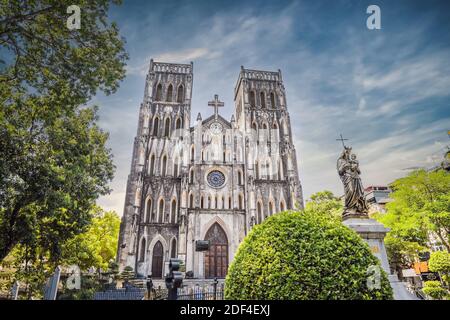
{"type": "Point", "coordinates": [377, 197]}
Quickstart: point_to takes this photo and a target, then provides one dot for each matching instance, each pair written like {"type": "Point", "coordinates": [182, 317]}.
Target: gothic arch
{"type": "Point", "coordinates": [191, 200]}
{"type": "Point", "coordinates": [167, 127]}
{"type": "Point", "coordinates": [173, 248]}
{"type": "Point", "coordinates": [259, 212]}
{"type": "Point", "coordinates": [252, 98]}
{"type": "Point", "coordinates": [241, 201]}
{"type": "Point", "coordinates": [176, 167]}
{"type": "Point", "coordinates": [155, 126]}
{"type": "Point", "coordinates": [163, 167]}
{"type": "Point", "coordinates": [169, 93]}
{"type": "Point", "coordinates": [151, 246]}
{"type": "Point", "coordinates": [148, 209]}
{"type": "Point", "coordinates": [262, 98]}
{"type": "Point", "coordinates": [158, 96]}
{"type": "Point", "coordinates": [216, 258]}
{"type": "Point", "coordinates": [161, 209]}
{"type": "Point", "coordinates": [173, 210]}
{"type": "Point", "coordinates": [282, 205]}
{"type": "Point", "coordinates": [271, 207]}
{"type": "Point", "coordinates": [180, 94]}
{"type": "Point", "coordinates": [273, 100]}
{"type": "Point", "coordinates": [221, 223]}
{"type": "Point", "coordinates": [178, 123]}
{"type": "Point", "coordinates": [142, 251]}
{"type": "Point", "coordinates": [151, 165]}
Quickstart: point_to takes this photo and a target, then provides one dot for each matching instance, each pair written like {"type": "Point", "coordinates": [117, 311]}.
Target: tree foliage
{"type": "Point", "coordinates": [97, 246]}
{"type": "Point", "coordinates": [434, 290]}
{"type": "Point", "coordinates": [300, 256]}
{"type": "Point", "coordinates": [420, 208]}
{"type": "Point", "coordinates": [440, 262]}
{"type": "Point", "coordinates": [54, 161]}
{"type": "Point", "coordinates": [326, 203]}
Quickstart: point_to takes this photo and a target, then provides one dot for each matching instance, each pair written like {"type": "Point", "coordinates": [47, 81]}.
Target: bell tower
{"type": "Point", "coordinates": [272, 179]}
{"type": "Point", "coordinates": [154, 206]}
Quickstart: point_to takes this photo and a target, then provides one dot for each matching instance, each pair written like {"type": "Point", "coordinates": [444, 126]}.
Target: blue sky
{"type": "Point", "coordinates": [387, 90]}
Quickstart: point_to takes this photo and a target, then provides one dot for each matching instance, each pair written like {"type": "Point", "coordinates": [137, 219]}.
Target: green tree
{"type": "Point", "coordinates": [97, 246]}
{"type": "Point", "coordinates": [54, 162]}
{"type": "Point", "coordinates": [302, 256]}
{"type": "Point", "coordinates": [434, 290]}
{"type": "Point", "coordinates": [420, 206]}
{"type": "Point", "coordinates": [326, 203]}
{"type": "Point", "coordinates": [440, 262]}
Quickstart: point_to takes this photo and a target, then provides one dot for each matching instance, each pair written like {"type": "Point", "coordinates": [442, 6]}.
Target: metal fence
{"type": "Point", "coordinates": [211, 292]}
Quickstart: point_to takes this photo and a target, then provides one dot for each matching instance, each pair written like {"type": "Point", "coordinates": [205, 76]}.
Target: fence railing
{"type": "Point", "coordinates": [210, 292]}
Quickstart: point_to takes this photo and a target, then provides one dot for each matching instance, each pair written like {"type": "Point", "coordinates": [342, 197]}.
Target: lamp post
{"type": "Point", "coordinates": [174, 279]}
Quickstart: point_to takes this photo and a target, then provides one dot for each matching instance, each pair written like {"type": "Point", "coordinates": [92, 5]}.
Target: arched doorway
{"type": "Point", "coordinates": [157, 261]}
{"type": "Point", "coordinates": [216, 258]}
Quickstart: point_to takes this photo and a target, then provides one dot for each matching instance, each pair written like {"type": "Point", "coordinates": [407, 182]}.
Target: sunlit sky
{"type": "Point", "coordinates": [386, 90]}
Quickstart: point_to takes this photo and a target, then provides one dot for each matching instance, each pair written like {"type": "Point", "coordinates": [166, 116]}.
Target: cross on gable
{"type": "Point", "coordinates": [342, 140]}
{"type": "Point", "coordinates": [216, 103]}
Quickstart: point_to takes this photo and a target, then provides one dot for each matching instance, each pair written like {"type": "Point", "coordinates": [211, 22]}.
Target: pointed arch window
{"type": "Point", "coordinates": [272, 100]}
{"type": "Point", "coordinates": [158, 92]}
{"type": "Point", "coordinates": [252, 99]}
{"type": "Point", "coordinates": [262, 96]}
{"type": "Point", "coordinates": [161, 210]}
{"type": "Point", "coordinates": [256, 170]}
{"type": "Point", "coordinates": [191, 200]}
{"type": "Point", "coordinates": [167, 127]}
{"type": "Point", "coordinates": [239, 178]}
{"type": "Point", "coordinates": [229, 203]}
{"type": "Point", "coordinates": [271, 209]}
{"type": "Point", "coordinates": [156, 126]}
{"type": "Point", "coordinates": [178, 124]}
{"type": "Point", "coordinates": [202, 202]}
{"type": "Point", "coordinates": [175, 168]}
{"type": "Point", "coordinates": [259, 213]}
{"type": "Point", "coordinates": [191, 176]}
{"type": "Point", "coordinates": [164, 166]}
{"type": "Point", "coordinates": [173, 248]}
{"type": "Point", "coordinates": [173, 211]}
{"type": "Point", "coordinates": [282, 206]}
{"type": "Point", "coordinates": [169, 93]}
{"type": "Point", "coordinates": [142, 250]}
{"type": "Point", "coordinates": [180, 94]}
{"type": "Point", "coordinates": [151, 167]}
{"type": "Point", "coordinates": [148, 210]}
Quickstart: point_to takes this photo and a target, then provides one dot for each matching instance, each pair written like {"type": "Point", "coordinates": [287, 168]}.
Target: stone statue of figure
{"type": "Point", "coordinates": [348, 169]}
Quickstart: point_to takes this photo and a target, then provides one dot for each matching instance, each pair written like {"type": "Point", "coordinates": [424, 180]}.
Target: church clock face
{"type": "Point", "coordinates": [216, 128]}
{"type": "Point", "coordinates": [216, 179]}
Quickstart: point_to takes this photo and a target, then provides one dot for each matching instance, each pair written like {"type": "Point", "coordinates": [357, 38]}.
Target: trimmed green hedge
{"type": "Point", "coordinates": [296, 255]}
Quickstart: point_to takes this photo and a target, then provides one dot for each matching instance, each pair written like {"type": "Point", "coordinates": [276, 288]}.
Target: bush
{"type": "Point", "coordinates": [434, 290]}
{"type": "Point", "coordinates": [440, 262]}
{"type": "Point", "coordinates": [296, 255]}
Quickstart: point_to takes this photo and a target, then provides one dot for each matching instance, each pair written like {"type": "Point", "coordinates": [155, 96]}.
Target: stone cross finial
{"type": "Point", "coordinates": [216, 103]}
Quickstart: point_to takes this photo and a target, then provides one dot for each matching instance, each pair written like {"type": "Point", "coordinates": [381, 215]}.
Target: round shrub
{"type": "Point", "coordinates": [301, 256]}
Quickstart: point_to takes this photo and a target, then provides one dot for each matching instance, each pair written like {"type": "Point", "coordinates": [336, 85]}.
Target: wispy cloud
{"type": "Point", "coordinates": [388, 91]}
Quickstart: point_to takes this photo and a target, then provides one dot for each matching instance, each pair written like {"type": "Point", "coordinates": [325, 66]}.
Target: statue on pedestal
{"type": "Point", "coordinates": [348, 169]}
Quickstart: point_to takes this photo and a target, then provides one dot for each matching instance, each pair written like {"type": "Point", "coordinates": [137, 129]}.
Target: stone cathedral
{"type": "Point", "coordinates": [207, 179]}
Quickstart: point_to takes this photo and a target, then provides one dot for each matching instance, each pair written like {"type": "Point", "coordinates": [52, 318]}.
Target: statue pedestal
{"type": "Point", "coordinates": [373, 233]}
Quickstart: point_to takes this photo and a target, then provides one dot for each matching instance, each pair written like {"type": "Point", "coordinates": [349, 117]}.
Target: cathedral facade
{"type": "Point", "coordinates": [211, 181]}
